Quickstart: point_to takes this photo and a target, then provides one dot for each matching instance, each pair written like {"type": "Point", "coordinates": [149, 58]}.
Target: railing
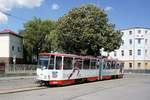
{"type": "Point", "coordinates": [20, 68]}
{"type": "Point", "coordinates": [2, 68]}
{"type": "Point", "coordinates": [142, 71]}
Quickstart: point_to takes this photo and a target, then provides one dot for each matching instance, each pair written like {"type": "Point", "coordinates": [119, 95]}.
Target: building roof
{"type": "Point", "coordinates": [135, 28]}
{"type": "Point", "coordinates": [8, 31]}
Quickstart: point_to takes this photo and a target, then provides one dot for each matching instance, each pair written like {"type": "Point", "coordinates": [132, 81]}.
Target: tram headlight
{"type": "Point", "coordinates": [44, 77]}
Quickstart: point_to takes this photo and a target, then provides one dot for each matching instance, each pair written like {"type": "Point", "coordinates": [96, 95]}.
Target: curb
{"type": "Point", "coordinates": [21, 90]}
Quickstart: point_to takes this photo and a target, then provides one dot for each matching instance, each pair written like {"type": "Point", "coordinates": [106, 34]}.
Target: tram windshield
{"type": "Point", "coordinates": [43, 63]}
{"type": "Point", "coordinates": [50, 62]}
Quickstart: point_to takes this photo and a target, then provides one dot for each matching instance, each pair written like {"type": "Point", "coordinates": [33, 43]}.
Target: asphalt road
{"type": "Point", "coordinates": [129, 88]}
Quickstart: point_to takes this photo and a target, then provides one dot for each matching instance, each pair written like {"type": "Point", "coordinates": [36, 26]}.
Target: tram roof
{"type": "Point", "coordinates": [58, 54]}
{"type": "Point", "coordinates": [67, 55]}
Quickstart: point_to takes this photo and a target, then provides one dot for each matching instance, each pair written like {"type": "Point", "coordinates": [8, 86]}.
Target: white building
{"type": "Point", "coordinates": [10, 47]}
{"type": "Point", "coordinates": [135, 49]}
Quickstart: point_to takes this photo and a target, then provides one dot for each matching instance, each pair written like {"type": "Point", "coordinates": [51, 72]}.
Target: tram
{"type": "Point", "coordinates": [65, 69]}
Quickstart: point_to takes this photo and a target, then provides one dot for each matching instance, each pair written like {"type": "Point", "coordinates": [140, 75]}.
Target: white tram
{"type": "Point", "coordinates": [65, 69]}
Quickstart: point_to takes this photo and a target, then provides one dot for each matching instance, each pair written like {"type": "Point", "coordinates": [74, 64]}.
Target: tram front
{"type": "Point", "coordinates": [50, 68]}
{"type": "Point", "coordinates": [42, 70]}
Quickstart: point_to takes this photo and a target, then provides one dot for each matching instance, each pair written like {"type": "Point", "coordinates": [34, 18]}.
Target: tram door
{"type": "Point", "coordinates": [100, 67]}
{"type": "Point", "coordinates": [121, 67]}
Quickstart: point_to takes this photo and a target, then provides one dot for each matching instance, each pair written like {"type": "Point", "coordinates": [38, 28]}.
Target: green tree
{"type": "Point", "coordinates": [38, 36]}
{"type": "Point", "coordinates": [51, 43]}
{"type": "Point", "coordinates": [85, 30]}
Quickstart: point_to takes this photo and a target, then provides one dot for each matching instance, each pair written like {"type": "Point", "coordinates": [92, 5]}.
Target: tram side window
{"type": "Point", "coordinates": [108, 65]}
{"type": "Point", "coordinates": [68, 63]}
{"type": "Point", "coordinates": [78, 63]}
{"type": "Point", "coordinates": [86, 64]}
{"type": "Point", "coordinates": [98, 64]}
{"type": "Point", "coordinates": [104, 65]}
{"type": "Point", "coordinates": [58, 63]}
{"type": "Point", "coordinates": [122, 65]}
{"type": "Point", "coordinates": [51, 63]}
{"type": "Point", "coordinates": [93, 64]}
{"type": "Point", "coordinates": [117, 66]}
{"type": "Point", "coordinates": [113, 65]}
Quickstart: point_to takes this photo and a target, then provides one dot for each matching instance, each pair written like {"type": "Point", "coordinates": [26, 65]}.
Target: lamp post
{"type": "Point", "coordinates": [14, 62]}
{"type": "Point", "coordinates": [14, 59]}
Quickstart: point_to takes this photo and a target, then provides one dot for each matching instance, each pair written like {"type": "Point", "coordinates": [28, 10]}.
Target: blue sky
{"type": "Point", "coordinates": [122, 13]}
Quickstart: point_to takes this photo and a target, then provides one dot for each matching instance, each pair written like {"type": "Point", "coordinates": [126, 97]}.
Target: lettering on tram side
{"type": "Point", "coordinates": [107, 71]}
{"type": "Point", "coordinates": [77, 66]}
{"type": "Point", "coordinates": [70, 74]}
{"type": "Point", "coordinates": [54, 74]}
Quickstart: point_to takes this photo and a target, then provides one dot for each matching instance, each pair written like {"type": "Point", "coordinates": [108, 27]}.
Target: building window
{"type": "Point", "coordinates": [130, 32]}
{"type": "Point", "coordinates": [122, 52]}
{"type": "Point", "coordinates": [139, 31]}
{"type": "Point", "coordinates": [115, 53]}
{"type": "Point", "coordinates": [145, 51]}
{"type": "Point", "coordinates": [13, 48]}
{"type": "Point", "coordinates": [139, 52]}
{"type": "Point", "coordinates": [146, 32]}
{"type": "Point", "coordinates": [122, 42]}
{"type": "Point", "coordinates": [130, 52]}
{"type": "Point", "coordinates": [130, 41]}
{"type": "Point", "coordinates": [130, 65]}
{"type": "Point", "coordinates": [145, 41]}
{"type": "Point", "coordinates": [139, 41]}
{"type": "Point", "coordinates": [18, 49]}
{"type": "Point", "coordinates": [139, 65]}
{"type": "Point", "coordinates": [145, 64]}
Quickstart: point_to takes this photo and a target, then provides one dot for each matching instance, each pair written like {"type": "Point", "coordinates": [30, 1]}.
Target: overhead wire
{"type": "Point", "coordinates": [12, 15]}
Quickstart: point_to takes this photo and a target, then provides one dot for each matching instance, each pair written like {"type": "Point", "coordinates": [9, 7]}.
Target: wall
{"type": "Point", "coordinates": [18, 49]}
{"type": "Point", "coordinates": [126, 46]}
{"type": "Point", "coordinates": [6, 52]}
{"type": "Point", "coordinates": [4, 45]}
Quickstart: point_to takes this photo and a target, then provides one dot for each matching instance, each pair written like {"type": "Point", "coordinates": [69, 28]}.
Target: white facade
{"type": "Point", "coordinates": [4, 46]}
{"type": "Point", "coordinates": [10, 46]}
{"type": "Point", "coordinates": [135, 49]}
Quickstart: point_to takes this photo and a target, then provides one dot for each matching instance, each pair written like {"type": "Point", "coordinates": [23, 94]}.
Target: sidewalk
{"type": "Point", "coordinates": [17, 83]}
{"type": "Point", "coordinates": [17, 78]}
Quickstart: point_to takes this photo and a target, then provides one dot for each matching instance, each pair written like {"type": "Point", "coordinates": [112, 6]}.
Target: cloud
{"type": "Point", "coordinates": [3, 18]}
{"type": "Point", "coordinates": [108, 8]}
{"type": "Point", "coordinates": [55, 6]}
{"type": "Point", "coordinates": [8, 5]}
{"type": "Point", "coordinates": [29, 3]}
